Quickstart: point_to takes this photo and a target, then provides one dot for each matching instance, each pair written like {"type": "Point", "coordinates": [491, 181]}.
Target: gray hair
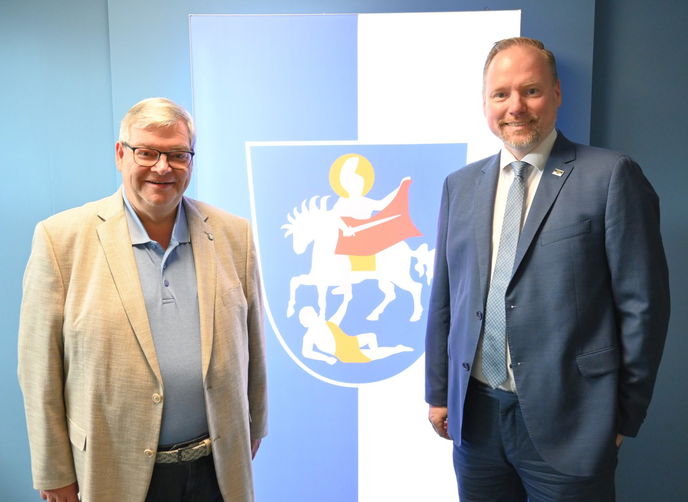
{"type": "Point", "coordinates": [156, 112]}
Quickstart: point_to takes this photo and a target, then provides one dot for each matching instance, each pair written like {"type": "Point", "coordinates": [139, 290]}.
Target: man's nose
{"type": "Point", "coordinates": [516, 104]}
{"type": "Point", "coordinates": [162, 165]}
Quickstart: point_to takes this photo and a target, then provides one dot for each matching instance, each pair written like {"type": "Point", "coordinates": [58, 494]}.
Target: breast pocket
{"type": "Point", "coordinates": [567, 232]}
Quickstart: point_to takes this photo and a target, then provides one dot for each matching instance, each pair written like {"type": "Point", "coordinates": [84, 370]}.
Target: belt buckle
{"type": "Point", "coordinates": [186, 453]}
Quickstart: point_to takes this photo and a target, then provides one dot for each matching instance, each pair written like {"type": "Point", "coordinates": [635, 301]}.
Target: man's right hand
{"type": "Point", "coordinates": [69, 493]}
{"type": "Point", "coordinates": [438, 418]}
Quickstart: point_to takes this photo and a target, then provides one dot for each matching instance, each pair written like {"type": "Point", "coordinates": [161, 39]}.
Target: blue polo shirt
{"type": "Point", "coordinates": [168, 281]}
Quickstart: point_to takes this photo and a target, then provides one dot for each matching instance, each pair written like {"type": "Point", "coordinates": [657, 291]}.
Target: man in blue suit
{"type": "Point", "coordinates": [550, 302]}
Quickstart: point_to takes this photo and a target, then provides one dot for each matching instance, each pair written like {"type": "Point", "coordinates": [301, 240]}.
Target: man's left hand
{"type": "Point", "coordinates": [619, 440]}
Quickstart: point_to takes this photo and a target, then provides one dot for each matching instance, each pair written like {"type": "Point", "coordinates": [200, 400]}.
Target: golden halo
{"type": "Point", "coordinates": [364, 169]}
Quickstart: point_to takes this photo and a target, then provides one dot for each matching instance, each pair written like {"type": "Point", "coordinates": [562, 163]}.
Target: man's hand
{"type": "Point", "coordinates": [67, 493]}
{"type": "Point", "coordinates": [255, 444]}
{"type": "Point", "coordinates": [347, 231]}
{"type": "Point", "coordinates": [438, 418]}
{"type": "Point", "coordinates": [619, 440]}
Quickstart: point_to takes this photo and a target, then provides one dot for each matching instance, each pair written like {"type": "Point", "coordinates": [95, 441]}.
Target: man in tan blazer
{"type": "Point", "coordinates": [141, 350]}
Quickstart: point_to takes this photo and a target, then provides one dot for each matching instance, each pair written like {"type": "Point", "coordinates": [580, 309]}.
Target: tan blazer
{"type": "Point", "coordinates": [87, 362]}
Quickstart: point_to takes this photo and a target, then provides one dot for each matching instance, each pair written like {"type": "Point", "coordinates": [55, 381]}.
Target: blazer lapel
{"type": "Point", "coordinates": [556, 172]}
{"type": "Point", "coordinates": [114, 238]}
{"type": "Point", "coordinates": [485, 191]}
{"type": "Point", "coordinates": [203, 244]}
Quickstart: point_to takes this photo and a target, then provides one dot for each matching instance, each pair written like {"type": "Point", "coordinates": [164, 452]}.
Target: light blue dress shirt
{"type": "Point", "coordinates": [168, 281]}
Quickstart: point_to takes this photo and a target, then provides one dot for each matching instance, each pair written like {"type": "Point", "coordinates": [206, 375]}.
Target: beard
{"type": "Point", "coordinates": [522, 140]}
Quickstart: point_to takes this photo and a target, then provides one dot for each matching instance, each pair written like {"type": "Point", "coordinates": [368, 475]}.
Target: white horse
{"type": "Point", "coordinates": [314, 223]}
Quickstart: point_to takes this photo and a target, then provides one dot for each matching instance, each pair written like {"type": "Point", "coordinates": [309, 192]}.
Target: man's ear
{"type": "Point", "coordinates": [557, 92]}
{"type": "Point", "coordinates": [119, 155]}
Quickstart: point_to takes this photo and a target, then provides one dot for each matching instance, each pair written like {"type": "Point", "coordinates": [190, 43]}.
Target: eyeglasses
{"type": "Point", "coordinates": [148, 157]}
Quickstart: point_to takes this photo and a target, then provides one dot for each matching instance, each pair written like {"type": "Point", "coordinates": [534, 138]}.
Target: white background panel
{"type": "Point", "coordinates": [419, 81]}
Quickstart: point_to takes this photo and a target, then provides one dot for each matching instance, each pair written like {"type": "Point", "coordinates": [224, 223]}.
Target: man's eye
{"type": "Point", "coordinates": [499, 95]}
{"type": "Point", "coordinates": [179, 156]}
{"type": "Point", "coordinates": [146, 154]}
{"type": "Point", "coordinates": [533, 91]}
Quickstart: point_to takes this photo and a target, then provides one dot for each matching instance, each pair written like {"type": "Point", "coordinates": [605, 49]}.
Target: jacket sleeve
{"type": "Point", "coordinates": [257, 377]}
{"type": "Point", "coordinates": [439, 316]}
{"type": "Point", "coordinates": [41, 366]}
{"type": "Point", "coordinates": [640, 286]}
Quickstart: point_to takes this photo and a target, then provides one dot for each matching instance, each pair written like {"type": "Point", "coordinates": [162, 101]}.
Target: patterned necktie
{"type": "Point", "coordinates": [494, 335]}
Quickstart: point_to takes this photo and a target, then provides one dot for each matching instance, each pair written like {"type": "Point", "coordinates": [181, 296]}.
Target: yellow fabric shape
{"type": "Point", "coordinates": [347, 349]}
{"type": "Point", "coordinates": [363, 263]}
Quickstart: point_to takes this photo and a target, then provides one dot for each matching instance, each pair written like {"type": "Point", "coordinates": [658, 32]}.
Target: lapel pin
{"type": "Point", "coordinates": [558, 172]}
{"type": "Point", "coordinates": [210, 236]}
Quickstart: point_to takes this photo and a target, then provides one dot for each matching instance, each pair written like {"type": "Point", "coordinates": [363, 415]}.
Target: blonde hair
{"type": "Point", "coordinates": [522, 42]}
{"type": "Point", "coordinates": [156, 112]}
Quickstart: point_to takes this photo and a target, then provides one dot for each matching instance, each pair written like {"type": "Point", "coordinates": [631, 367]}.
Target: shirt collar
{"type": "Point", "coordinates": [138, 234]}
{"type": "Point", "coordinates": [537, 157]}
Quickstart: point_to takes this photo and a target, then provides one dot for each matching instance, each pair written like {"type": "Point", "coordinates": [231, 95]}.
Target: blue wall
{"type": "Point", "coordinates": [69, 72]}
{"type": "Point", "coordinates": [56, 140]}
{"type": "Point", "coordinates": [640, 77]}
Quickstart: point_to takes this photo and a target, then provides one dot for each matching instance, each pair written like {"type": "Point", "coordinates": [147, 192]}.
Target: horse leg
{"type": "Point", "coordinates": [397, 270]}
{"type": "Point", "coordinates": [415, 289]}
{"type": "Point", "coordinates": [322, 300]}
{"type": "Point", "coordinates": [388, 289]}
{"type": "Point", "coordinates": [294, 283]}
{"type": "Point", "coordinates": [346, 298]}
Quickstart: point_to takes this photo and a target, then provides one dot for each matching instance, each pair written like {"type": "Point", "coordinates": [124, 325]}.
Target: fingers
{"type": "Point", "coordinates": [441, 429]}
{"type": "Point", "coordinates": [67, 493]}
{"type": "Point", "coordinates": [438, 418]}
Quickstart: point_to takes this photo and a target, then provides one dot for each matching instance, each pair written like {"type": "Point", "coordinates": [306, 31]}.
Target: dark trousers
{"type": "Point", "coordinates": [497, 462]}
{"type": "Point", "coordinates": [185, 482]}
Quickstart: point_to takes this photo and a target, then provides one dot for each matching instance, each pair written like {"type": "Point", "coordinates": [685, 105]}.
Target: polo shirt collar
{"type": "Point", "coordinates": [138, 234]}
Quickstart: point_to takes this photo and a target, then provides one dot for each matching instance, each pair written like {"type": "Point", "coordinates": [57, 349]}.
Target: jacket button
{"type": "Point", "coordinates": [466, 366]}
{"type": "Point", "coordinates": [479, 315]}
{"type": "Point", "coordinates": [157, 398]}
{"type": "Point", "coordinates": [147, 452]}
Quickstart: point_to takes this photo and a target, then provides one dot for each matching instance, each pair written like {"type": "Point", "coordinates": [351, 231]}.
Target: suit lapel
{"type": "Point", "coordinates": [485, 190]}
{"type": "Point", "coordinates": [556, 172]}
{"type": "Point", "coordinates": [203, 244]}
{"type": "Point", "coordinates": [114, 238]}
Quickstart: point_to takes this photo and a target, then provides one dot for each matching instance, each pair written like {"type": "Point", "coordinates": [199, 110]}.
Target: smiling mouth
{"type": "Point", "coordinates": [517, 124]}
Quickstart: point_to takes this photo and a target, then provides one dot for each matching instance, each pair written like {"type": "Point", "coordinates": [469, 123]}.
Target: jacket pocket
{"type": "Point", "coordinates": [77, 435]}
{"type": "Point", "coordinates": [599, 362]}
{"type": "Point", "coordinates": [566, 232]}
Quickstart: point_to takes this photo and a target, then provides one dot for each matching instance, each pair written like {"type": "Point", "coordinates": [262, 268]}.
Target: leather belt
{"type": "Point", "coordinates": [188, 453]}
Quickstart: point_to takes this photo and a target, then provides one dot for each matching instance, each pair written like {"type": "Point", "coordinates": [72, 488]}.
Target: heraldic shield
{"type": "Point", "coordinates": [346, 235]}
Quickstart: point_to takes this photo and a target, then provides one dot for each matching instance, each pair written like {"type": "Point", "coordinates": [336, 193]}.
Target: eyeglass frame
{"type": "Point", "coordinates": [160, 153]}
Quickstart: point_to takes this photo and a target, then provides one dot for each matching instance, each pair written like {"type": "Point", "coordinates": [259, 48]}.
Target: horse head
{"type": "Point", "coordinates": [306, 223]}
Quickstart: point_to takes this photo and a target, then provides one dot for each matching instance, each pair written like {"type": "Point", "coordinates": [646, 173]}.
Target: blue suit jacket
{"type": "Point", "coordinates": [587, 306]}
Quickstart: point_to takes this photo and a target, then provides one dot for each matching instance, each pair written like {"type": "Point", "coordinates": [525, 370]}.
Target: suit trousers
{"type": "Point", "coordinates": [193, 481]}
{"type": "Point", "coordinates": [497, 461]}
